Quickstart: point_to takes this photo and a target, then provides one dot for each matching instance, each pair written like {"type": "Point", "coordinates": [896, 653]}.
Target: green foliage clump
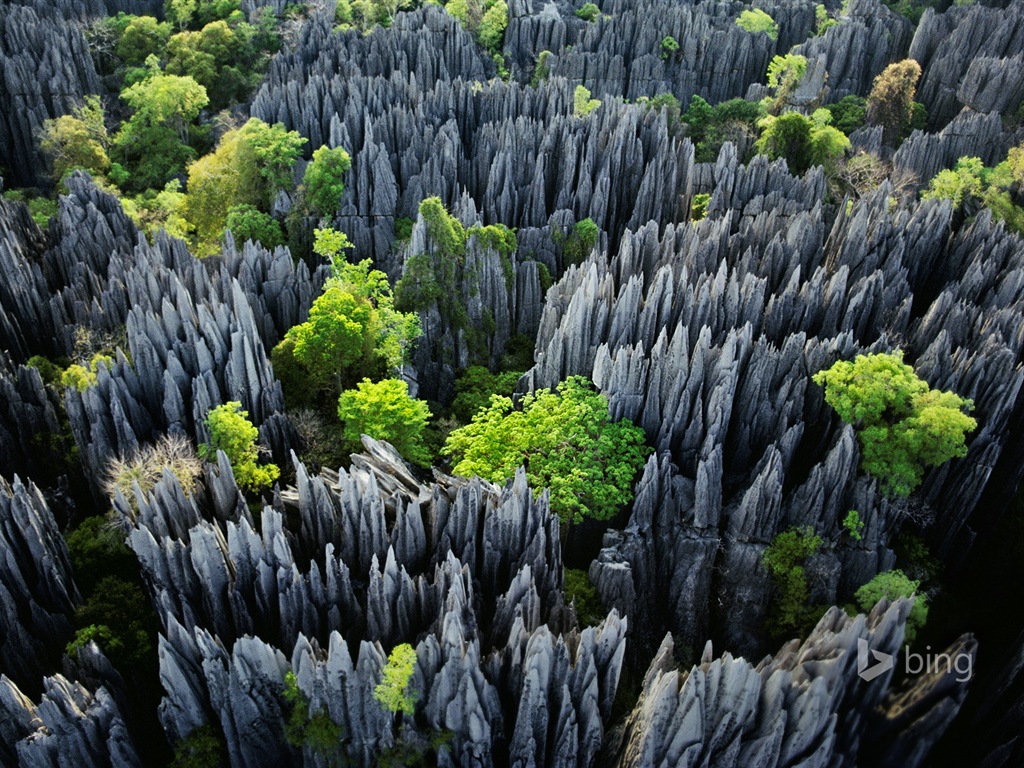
{"type": "Point", "coordinates": [165, 209]}
{"type": "Point", "coordinates": [220, 58]}
{"type": "Point", "coordinates": [324, 179]}
{"type": "Point", "coordinates": [97, 549]}
{"type": "Point", "coordinates": [903, 425]}
{"type": "Point", "coordinates": [892, 585]}
{"type": "Point", "coordinates": [669, 47]}
{"type": "Point", "coordinates": [849, 113]}
{"type": "Point", "coordinates": [784, 558]}
{"type": "Point", "coordinates": [78, 140]}
{"type": "Point", "coordinates": [118, 617]}
{"type": "Point", "coordinates": [971, 185]}
{"type": "Point", "coordinates": [474, 388]}
{"type": "Point", "coordinates": [802, 141]}
{"type": "Point", "coordinates": [709, 127]}
{"type": "Point", "coordinates": [314, 731]}
{"type": "Point", "coordinates": [588, 12]}
{"type": "Point", "coordinates": [754, 20]}
{"type": "Point", "coordinates": [232, 432]}
{"type": "Point", "coordinates": [823, 20]}
{"type": "Point", "coordinates": [247, 222]}
{"type": "Point", "coordinates": [385, 411]}
{"type": "Point", "coordinates": [203, 748]}
{"type": "Point", "coordinates": [784, 75]}
{"type": "Point", "coordinates": [49, 371]}
{"type": "Point", "coordinates": [393, 691]}
{"type": "Point", "coordinates": [582, 104]}
{"type": "Point", "coordinates": [699, 209]}
{"type": "Point", "coordinates": [853, 525]}
{"type": "Point", "coordinates": [142, 37]}
{"type": "Point", "coordinates": [541, 70]}
{"type": "Point", "coordinates": [248, 167]}
{"type": "Point", "coordinates": [544, 276]}
{"type": "Point", "coordinates": [81, 377]}
{"type": "Point", "coordinates": [566, 443]}
{"type": "Point", "coordinates": [403, 228]}
{"type": "Point", "coordinates": [580, 591]}
{"type": "Point", "coordinates": [486, 20]}
{"type": "Point", "coordinates": [579, 241]}
{"type": "Point", "coordinates": [354, 330]}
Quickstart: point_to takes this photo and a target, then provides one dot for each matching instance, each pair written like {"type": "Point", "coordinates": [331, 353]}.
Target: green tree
{"type": "Point", "coordinates": [853, 525]}
{"type": "Point", "coordinates": [582, 104]}
{"type": "Point", "coordinates": [588, 12]}
{"type": "Point", "coordinates": [393, 691]}
{"type": "Point", "coordinates": [117, 615]}
{"type": "Point", "coordinates": [580, 241]}
{"type": "Point", "coordinates": [143, 36]}
{"type": "Point", "coordinates": [903, 426]}
{"type": "Point", "coordinates": [849, 113]}
{"type": "Point", "coordinates": [248, 167]}
{"type": "Point", "coordinates": [166, 100]}
{"type": "Point", "coordinates": [232, 432]}
{"type": "Point", "coordinates": [669, 46]}
{"type": "Point", "coordinates": [890, 104]}
{"type": "Point", "coordinates": [784, 75]}
{"type": "Point", "coordinates": [324, 179]}
{"type": "Point", "coordinates": [474, 387]}
{"type": "Point", "coordinates": [246, 222]}
{"type": "Point", "coordinates": [959, 184]}
{"type": "Point", "coordinates": [802, 141]}
{"type": "Point", "coordinates": [700, 206]}
{"type": "Point", "coordinates": [784, 558]}
{"type": "Point", "coordinates": [893, 585]}
{"type": "Point", "coordinates": [180, 12]}
{"type": "Point", "coordinates": [78, 140]}
{"type": "Point", "coordinates": [384, 411]}
{"type": "Point", "coordinates": [218, 57]}
{"type": "Point", "coordinates": [755, 20]}
{"type": "Point", "coordinates": [492, 28]}
{"type": "Point", "coordinates": [566, 443]}
{"type": "Point", "coordinates": [334, 338]}
{"type": "Point", "coordinates": [314, 731]}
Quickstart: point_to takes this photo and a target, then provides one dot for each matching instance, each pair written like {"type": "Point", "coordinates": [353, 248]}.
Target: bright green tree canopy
{"type": "Point", "coordinates": [385, 411]}
{"type": "Point", "coordinates": [393, 690]}
{"type": "Point", "coordinates": [903, 426]}
{"type": "Point", "coordinates": [565, 441]}
{"type": "Point", "coordinates": [324, 179]}
{"type": "Point", "coordinates": [893, 585]}
{"type": "Point", "coordinates": [232, 432]}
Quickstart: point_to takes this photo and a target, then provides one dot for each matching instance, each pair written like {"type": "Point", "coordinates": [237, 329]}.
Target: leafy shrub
{"type": "Point", "coordinates": [699, 209]}
{"type": "Point", "coordinates": [474, 387]}
{"type": "Point", "coordinates": [891, 101]}
{"type": "Point", "coordinates": [118, 617]}
{"type": "Point", "coordinates": [97, 549]}
{"type": "Point", "coordinates": [582, 104]}
{"type": "Point", "coordinates": [385, 411]}
{"type": "Point", "coordinates": [403, 228]}
{"type": "Point", "coordinates": [785, 558]}
{"type": "Point", "coordinates": [565, 441]}
{"type": "Point", "coordinates": [902, 425]}
{"type": "Point", "coordinates": [324, 179]}
{"type": "Point", "coordinates": [203, 748]}
{"type": "Point", "coordinates": [669, 46]}
{"type": "Point", "coordinates": [393, 691]}
{"type": "Point", "coordinates": [849, 113]}
{"type": "Point", "coordinates": [81, 377]}
{"type": "Point", "coordinates": [580, 241]}
{"type": "Point", "coordinates": [853, 525]}
{"type": "Point", "coordinates": [892, 585]}
{"type": "Point", "coordinates": [588, 12]}
{"type": "Point", "coordinates": [580, 590]}
{"type": "Point", "coordinates": [755, 20]}
{"type": "Point", "coordinates": [246, 222]}
{"type": "Point", "coordinates": [541, 70]}
{"type": "Point", "coordinates": [802, 141]}
{"type": "Point", "coordinates": [314, 731]}
{"type": "Point", "coordinates": [232, 432]}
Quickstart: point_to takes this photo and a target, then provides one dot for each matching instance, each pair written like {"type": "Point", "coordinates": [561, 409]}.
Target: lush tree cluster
{"type": "Point", "coordinates": [589, 12]}
{"type": "Point", "coordinates": [754, 21]}
{"type": "Point", "coordinates": [971, 185]}
{"type": "Point", "coordinates": [323, 182]}
{"type": "Point", "coordinates": [486, 20]}
{"type": "Point", "coordinates": [232, 432]}
{"type": "Point", "coordinates": [385, 411]}
{"type": "Point", "coordinates": [582, 104]}
{"type": "Point", "coordinates": [903, 425]}
{"type": "Point", "coordinates": [709, 127]}
{"type": "Point", "coordinates": [393, 691]}
{"type": "Point", "coordinates": [803, 141]}
{"type": "Point", "coordinates": [565, 441]}
{"type": "Point", "coordinates": [849, 113]}
{"type": "Point", "coordinates": [474, 388]}
{"type": "Point", "coordinates": [784, 558]}
{"type": "Point", "coordinates": [892, 585]}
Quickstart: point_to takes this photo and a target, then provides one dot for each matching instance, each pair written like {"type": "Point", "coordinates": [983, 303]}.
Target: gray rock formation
{"type": "Point", "coordinates": [37, 593]}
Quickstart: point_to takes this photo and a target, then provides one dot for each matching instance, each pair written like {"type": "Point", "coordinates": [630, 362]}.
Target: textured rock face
{"type": "Point", "coordinates": [37, 593]}
{"type": "Point", "coordinates": [966, 54]}
{"type": "Point", "coordinates": [707, 336]}
{"type": "Point", "coordinates": [804, 706]}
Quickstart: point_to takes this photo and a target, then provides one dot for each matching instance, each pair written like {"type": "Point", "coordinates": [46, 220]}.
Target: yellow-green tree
{"type": "Point", "coordinates": [891, 101]}
{"type": "Point", "coordinates": [232, 432]}
{"type": "Point", "coordinates": [78, 140]}
{"type": "Point", "coordinates": [903, 425]}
